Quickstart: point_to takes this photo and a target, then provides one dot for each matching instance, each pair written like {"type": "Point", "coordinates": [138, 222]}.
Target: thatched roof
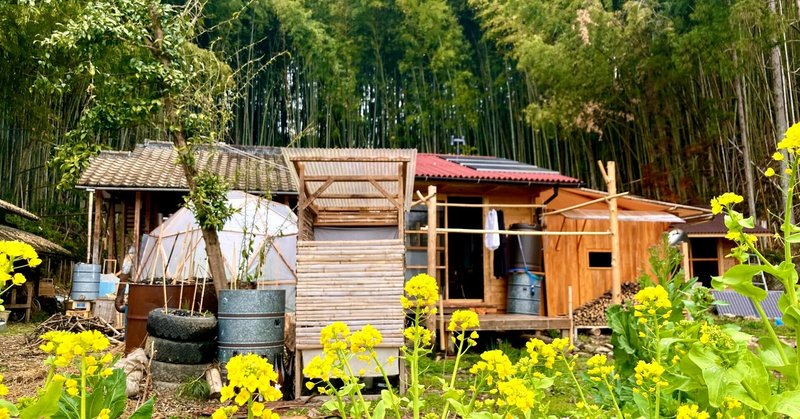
{"type": "Point", "coordinates": [152, 166]}
{"type": "Point", "coordinates": [10, 208]}
{"type": "Point", "coordinates": [40, 244]}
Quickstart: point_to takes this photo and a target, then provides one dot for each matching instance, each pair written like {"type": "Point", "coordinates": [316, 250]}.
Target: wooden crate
{"type": "Point", "coordinates": [47, 288]}
{"type": "Point", "coordinates": [104, 309]}
{"type": "Point", "coordinates": [79, 313]}
{"type": "Point", "coordinates": [79, 305]}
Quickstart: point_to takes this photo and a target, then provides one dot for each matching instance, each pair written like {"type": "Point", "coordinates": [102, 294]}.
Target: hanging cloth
{"type": "Point", "coordinates": [500, 252]}
{"type": "Point", "coordinates": [491, 240]}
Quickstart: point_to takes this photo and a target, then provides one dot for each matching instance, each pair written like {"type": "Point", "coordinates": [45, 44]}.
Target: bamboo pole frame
{"type": "Point", "coordinates": [523, 232]}
{"type": "Point", "coordinates": [610, 176]}
{"type": "Point", "coordinates": [606, 198]}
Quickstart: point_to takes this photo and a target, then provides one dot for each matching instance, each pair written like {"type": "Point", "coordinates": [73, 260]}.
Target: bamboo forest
{"type": "Point", "coordinates": [689, 97]}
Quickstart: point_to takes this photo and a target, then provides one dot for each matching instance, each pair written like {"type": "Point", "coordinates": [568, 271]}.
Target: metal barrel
{"type": "Point", "coordinates": [250, 321]}
{"type": "Point", "coordinates": [85, 282]}
{"type": "Point", "coordinates": [524, 292]}
{"type": "Point", "coordinates": [526, 251]}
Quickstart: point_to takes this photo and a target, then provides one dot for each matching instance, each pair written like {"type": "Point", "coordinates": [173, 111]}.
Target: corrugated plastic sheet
{"type": "Point", "coordinates": [739, 305]}
{"type": "Point", "coordinates": [642, 216]}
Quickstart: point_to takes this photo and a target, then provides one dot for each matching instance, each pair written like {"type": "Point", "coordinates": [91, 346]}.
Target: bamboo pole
{"type": "Point", "coordinates": [89, 230]}
{"type": "Point", "coordinates": [522, 232]}
{"type": "Point", "coordinates": [583, 204]}
{"type": "Point", "coordinates": [432, 230]}
{"type": "Point", "coordinates": [493, 205]}
{"type": "Point", "coordinates": [610, 176]}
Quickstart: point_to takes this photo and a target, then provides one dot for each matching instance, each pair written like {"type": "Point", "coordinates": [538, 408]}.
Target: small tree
{"type": "Point", "coordinates": [141, 68]}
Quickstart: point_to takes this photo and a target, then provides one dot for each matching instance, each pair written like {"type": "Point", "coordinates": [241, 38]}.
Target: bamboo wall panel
{"type": "Point", "coordinates": [355, 282]}
{"type": "Point", "coordinates": [567, 258]}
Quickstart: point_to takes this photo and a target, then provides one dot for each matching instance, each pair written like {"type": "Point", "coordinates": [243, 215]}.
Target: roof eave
{"type": "Point", "coordinates": [425, 178]}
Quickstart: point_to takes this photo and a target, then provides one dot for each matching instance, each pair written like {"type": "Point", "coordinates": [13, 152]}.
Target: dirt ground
{"type": "Point", "coordinates": [22, 365]}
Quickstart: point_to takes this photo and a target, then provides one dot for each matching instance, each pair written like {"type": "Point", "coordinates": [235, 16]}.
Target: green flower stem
{"type": "Point", "coordinates": [395, 406]}
{"type": "Point", "coordinates": [475, 393]}
{"type": "Point", "coordinates": [83, 387]}
{"type": "Point", "coordinates": [613, 398]}
{"type": "Point", "coordinates": [361, 403]}
{"type": "Point", "coordinates": [574, 379]}
{"type": "Point", "coordinates": [460, 352]}
{"type": "Point", "coordinates": [771, 331]}
{"type": "Point", "coordinates": [339, 401]}
{"type": "Point", "coordinates": [414, 364]}
{"type": "Point", "coordinates": [250, 407]}
{"type": "Point", "coordinates": [658, 400]}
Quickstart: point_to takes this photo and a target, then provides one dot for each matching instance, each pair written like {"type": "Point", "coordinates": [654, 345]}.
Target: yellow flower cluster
{"type": "Point", "coordinates": [791, 140]}
{"type": "Point", "coordinates": [3, 388]}
{"type": "Point", "coordinates": [333, 337]}
{"type": "Point", "coordinates": [462, 320]}
{"type": "Point", "coordinates": [365, 340]}
{"type": "Point", "coordinates": [421, 293]}
{"type": "Point", "coordinates": [648, 376]}
{"type": "Point", "coordinates": [691, 412]}
{"type": "Point", "coordinates": [11, 254]}
{"type": "Point", "coordinates": [515, 393]}
{"type": "Point", "coordinates": [4, 413]}
{"type": "Point", "coordinates": [249, 375]}
{"type": "Point", "coordinates": [494, 362]}
{"type": "Point", "coordinates": [741, 238]}
{"type": "Point", "coordinates": [550, 352]}
{"type": "Point", "coordinates": [87, 346]}
{"type": "Point", "coordinates": [714, 335]}
{"type": "Point", "coordinates": [651, 301]}
{"type": "Point", "coordinates": [599, 368]}
{"type": "Point", "coordinates": [418, 334]}
{"type": "Point", "coordinates": [104, 414]}
{"type": "Point", "coordinates": [725, 200]}
{"type": "Point", "coordinates": [320, 367]}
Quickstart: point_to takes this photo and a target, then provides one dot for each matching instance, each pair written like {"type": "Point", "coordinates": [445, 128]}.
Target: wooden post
{"type": "Point", "coordinates": [137, 227]}
{"type": "Point", "coordinates": [610, 176]}
{"type": "Point", "coordinates": [687, 275]}
{"type": "Point", "coordinates": [432, 231]}
{"type": "Point", "coordinates": [111, 226]}
{"type": "Point", "coordinates": [98, 221]}
{"type": "Point", "coordinates": [90, 206]}
{"type": "Point", "coordinates": [572, 336]}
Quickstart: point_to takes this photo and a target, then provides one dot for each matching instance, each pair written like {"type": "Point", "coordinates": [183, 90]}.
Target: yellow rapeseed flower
{"type": "Point", "coordinates": [791, 140]}
{"type": "Point", "coordinates": [333, 337]}
{"type": "Point", "coordinates": [4, 413]}
{"type": "Point", "coordinates": [777, 156]}
{"type": "Point", "coordinates": [421, 292]}
{"type": "Point", "coordinates": [418, 334]}
{"type": "Point", "coordinates": [770, 172]}
{"type": "Point", "coordinates": [516, 394]}
{"type": "Point", "coordinates": [725, 200]}
{"type": "Point", "coordinates": [104, 414]}
{"type": "Point", "coordinates": [251, 373]}
{"type": "Point", "coordinates": [462, 320]}
{"type": "Point", "coordinates": [365, 339]}
{"type": "Point", "coordinates": [691, 412]}
{"type": "Point", "coordinates": [648, 375]}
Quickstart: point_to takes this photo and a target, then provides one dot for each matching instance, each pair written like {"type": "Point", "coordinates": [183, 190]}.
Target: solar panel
{"type": "Point", "coordinates": [496, 164]}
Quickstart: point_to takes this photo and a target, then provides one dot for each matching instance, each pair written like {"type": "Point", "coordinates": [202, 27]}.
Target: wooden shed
{"type": "Point", "coordinates": [131, 193]}
{"type": "Point", "coordinates": [350, 256]}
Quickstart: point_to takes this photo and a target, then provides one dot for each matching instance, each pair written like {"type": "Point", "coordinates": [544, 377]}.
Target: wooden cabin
{"type": "Point", "coordinates": [472, 276]}
{"type": "Point", "coordinates": [705, 254]}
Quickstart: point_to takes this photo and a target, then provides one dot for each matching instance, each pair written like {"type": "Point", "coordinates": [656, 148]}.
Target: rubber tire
{"type": "Point", "coordinates": [176, 352]}
{"type": "Point", "coordinates": [181, 328]}
{"type": "Point", "coordinates": [176, 373]}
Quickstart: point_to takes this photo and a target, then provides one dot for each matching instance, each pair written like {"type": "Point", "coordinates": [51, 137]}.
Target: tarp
{"type": "Point", "coordinates": [266, 230]}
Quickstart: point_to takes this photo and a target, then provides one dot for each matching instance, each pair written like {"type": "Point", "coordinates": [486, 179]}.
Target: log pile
{"type": "Point", "coordinates": [74, 324]}
{"type": "Point", "coordinates": [593, 313]}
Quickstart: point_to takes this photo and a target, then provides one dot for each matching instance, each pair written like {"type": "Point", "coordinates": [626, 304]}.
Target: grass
{"type": "Point", "coordinates": [753, 326]}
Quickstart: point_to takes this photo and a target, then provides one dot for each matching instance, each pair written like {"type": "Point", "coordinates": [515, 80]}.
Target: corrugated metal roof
{"type": "Point", "coordinates": [13, 209]}
{"type": "Point", "coordinates": [716, 227]}
{"type": "Point", "coordinates": [438, 166]}
{"type": "Point", "coordinates": [645, 216]}
{"type": "Point", "coordinates": [321, 162]}
{"type": "Point", "coordinates": [638, 203]}
{"type": "Point", "coordinates": [739, 305]}
{"type": "Point", "coordinates": [153, 166]}
{"type": "Point", "coordinates": [40, 244]}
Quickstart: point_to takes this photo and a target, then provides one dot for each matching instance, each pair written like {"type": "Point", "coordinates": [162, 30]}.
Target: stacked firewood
{"type": "Point", "coordinates": [74, 324]}
{"type": "Point", "coordinates": [593, 313]}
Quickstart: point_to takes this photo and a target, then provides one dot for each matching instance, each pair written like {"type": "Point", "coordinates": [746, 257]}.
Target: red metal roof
{"type": "Point", "coordinates": [438, 167]}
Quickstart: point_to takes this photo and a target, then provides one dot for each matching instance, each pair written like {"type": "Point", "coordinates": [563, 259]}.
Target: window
{"type": "Point", "coordinates": [599, 259]}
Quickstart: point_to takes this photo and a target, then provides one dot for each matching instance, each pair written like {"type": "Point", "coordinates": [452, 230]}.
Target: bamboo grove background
{"type": "Point", "coordinates": [686, 96]}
